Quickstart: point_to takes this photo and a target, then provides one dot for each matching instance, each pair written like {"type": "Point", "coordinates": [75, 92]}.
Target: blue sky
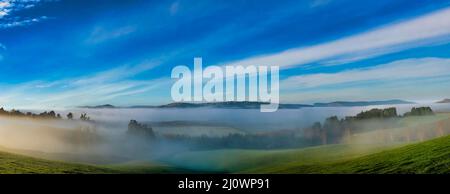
{"type": "Point", "coordinates": [73, 52]}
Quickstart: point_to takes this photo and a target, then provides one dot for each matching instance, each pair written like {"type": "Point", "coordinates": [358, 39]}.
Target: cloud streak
{"type": "Point", "coordinates": [102, 34]}
{"type": "Point", "coordinates": [415, 79]}
{"type": "Point", "coordinates": [22, 22]}
{"type": "Point", "coordinates": [402, 69]}
{"type": "Point", "coordinates": [427, 29]}
{"type": "Point", "coordinates": [9, 20]}
{"type": "Point", "coordinates": [99, 88]}
{"type": "Point", "coordinates": [2, 48]}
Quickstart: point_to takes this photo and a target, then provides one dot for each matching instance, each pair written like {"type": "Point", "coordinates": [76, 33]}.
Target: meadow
{"type": "Point", "coordinates": [429, 157]}
{"type": "Point", "coordinates": [388, 151]}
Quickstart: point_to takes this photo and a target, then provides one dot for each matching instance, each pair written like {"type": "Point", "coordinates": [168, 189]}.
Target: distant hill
{"type": "Point", "coordinates": [99, 106]}
{"type": "Point", "coordinates": [361, 103]}
{"type": "Point", "coordinates": [231, 105]}
{"type": "Point", "coordinates": [181, 105]}
{"type": "Point", "coordinates": [141, 106]}
{"type": "Point", "coordinates": [256, 105]}
{"type": "Point", "coordinates": [444, 101]}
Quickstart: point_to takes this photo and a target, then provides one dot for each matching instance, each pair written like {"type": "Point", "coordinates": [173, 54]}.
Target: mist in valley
{"type": "Point", "coordinates": [105, 138]}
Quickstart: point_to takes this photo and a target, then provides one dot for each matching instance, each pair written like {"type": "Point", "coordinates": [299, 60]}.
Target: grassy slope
{"type": "Point", "coordinates": [13, 163]}
{"type": "Point", "coordinates": [144, 167]}
{"type": "Point", "coordinates": [231, 161]}
{"type": "Point", "coordinates": [255, 161]}
{"type": "Point", "coordinates": [427, 157]}
{"type": "Point", "coordinates": [18, 164]}
{"type": "Point", "coordinates": [432, 156]}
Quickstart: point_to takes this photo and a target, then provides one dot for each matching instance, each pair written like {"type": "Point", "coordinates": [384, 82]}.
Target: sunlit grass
{"type": "Point", "coordinates": [427, 157]}
{"type": "Point", "coordinates": [18, 164]}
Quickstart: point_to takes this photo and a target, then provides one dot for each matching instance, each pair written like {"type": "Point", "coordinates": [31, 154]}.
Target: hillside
{"type": "Point", "coordinates": [256, 161]}
{"type": "Point", "coordinates": [361, 103]}
{"type": "Point", "coordinates": [18, 164]}
{"type": "Point", "coordinates": [430, 157]}
{"type": "Point", "coordinates": [256, 105]}
{"type": "Point", "coordinates": [426, 157]}
{"type": "Point", "coordinates": [444, 101]}
{"type": "Point", "coordinates": [228, 104]}
{"type": "Point", "coordinates": [99, 106]}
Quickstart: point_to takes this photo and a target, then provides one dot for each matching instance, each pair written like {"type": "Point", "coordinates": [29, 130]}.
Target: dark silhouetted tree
{"type": "Point", "coordinates": [141, 130]}
{"type": "Point", "coordinates": [70, 116]}
{"type": "Point", "coordinates": [421, 111]}
{"type": "Point", "coordinates": [84, 117]}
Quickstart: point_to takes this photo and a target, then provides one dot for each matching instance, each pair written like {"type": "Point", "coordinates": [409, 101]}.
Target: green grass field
{"type": "Point", "coordinates": [236, 161]}
{"type": "Point", "coordinates": [365, 155]}
{"type": "Point", "coordinates": [13, 163]}
{"type": "Point", "coordinates": [19, 164]}
{"type": "Point", "coordinates": [431, 156]}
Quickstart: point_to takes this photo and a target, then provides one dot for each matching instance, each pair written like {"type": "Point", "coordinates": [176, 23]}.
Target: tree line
{"type": "Point", "coordinates": [43, 115]}
{"type": "Point", "coordinates": [332, 131]}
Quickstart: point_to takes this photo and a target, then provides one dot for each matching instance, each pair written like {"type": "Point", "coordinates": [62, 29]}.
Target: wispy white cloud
{"type": "Point", "coordinates": [99, 88]}
{"type": "Point", "coordinates": [319, 3]}
{"type": "Point", "coordinates": [101, 34]}
{"type": "Point", "coordinates": [21, 22]}
{"type": "Point", "coordinates": [2, 48]}
{"type": "Point", "coordinates": [174, 7]}
{"type": "Point", "coordinates": [8, 7]}
{"type": "Point", "coordinates": [398, 79]}
{"type": "Point", "coordinates": [402, 69]}
{"type": "Point", "coordinates": [5, 8]}
{"type": "Point", "coordinates": [115, 74]}
{"type": "Point", "coordinates": [428, 29]}
{"type": "Point", "coordinates": [424, 90]}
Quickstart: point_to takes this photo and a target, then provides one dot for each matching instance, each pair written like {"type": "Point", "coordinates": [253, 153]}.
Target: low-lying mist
{"type": "Point", "coordinates": [76, 140]}
{"type": "Point", "coordinates": [104, 139]}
